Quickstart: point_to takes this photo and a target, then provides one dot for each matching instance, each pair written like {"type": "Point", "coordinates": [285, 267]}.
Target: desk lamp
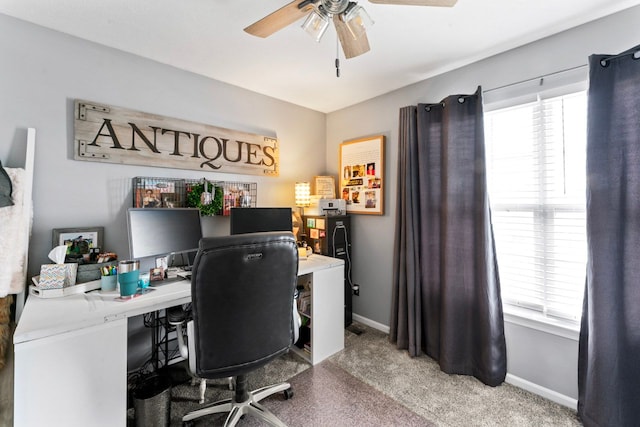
{"type": "Point", "coordinates": [303, 195]}
{"type": "Point", "coordinates": [303, 199]}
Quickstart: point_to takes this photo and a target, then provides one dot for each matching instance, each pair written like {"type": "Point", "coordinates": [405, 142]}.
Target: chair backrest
{"type": "Point", "coordinates": [242, 290]}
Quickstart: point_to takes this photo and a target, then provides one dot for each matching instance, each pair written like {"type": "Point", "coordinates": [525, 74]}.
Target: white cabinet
{"type": "Point", "coordinates": [321, 306]}
{"type": "Point", "coordinates": [76, 378]}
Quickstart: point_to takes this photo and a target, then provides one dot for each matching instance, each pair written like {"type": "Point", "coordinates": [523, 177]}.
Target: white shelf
{"type": "Point", "coordinates": [326, 316]}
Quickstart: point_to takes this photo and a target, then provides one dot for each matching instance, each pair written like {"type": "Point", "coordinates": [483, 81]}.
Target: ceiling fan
{"type": "Point", "coordinates": [348, 17]}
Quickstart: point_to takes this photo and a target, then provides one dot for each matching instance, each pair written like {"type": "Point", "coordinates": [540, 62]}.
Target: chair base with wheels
{"type": "Point", "coordinates": [242, 403]}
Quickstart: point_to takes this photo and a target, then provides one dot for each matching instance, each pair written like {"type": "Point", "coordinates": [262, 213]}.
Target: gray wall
{"type": "Point", "coordinates": [373, 235]}
{"type": "Point", "coordinates": [42, 73]}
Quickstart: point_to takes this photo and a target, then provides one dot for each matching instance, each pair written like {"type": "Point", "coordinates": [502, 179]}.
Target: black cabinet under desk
{"type": "Point", "coordinates": [330, 235]}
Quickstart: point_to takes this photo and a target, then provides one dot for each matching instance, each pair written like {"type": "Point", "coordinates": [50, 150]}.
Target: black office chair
{"type": "Point", "coordinates": [242, 290]}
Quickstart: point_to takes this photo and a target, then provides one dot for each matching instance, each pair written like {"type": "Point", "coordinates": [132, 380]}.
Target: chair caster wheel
{"type": "Point", "coordinates": [288, 393]}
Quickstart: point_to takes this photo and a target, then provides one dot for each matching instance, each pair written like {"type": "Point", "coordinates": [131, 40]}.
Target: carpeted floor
{"type": "Point", "coordinates": [325, 395]}
{"type": "Point", "coordinates": [371, 383]}
{"type": "Point", "coordinates": [447, 400]}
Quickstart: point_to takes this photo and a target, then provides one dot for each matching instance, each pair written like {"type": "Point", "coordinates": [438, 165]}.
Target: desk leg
{"type": "Point", "coordinates": [77, 378]}
{"type": "Point", "coordinates": [157, 325]}
{"type": "Point", "coordinates": [154, 339]}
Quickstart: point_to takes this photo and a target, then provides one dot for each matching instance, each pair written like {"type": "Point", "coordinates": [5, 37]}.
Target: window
{"type": "Point", "coordinates": [536, 158]}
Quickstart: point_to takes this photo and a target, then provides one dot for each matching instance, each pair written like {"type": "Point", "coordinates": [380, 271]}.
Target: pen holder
{"type": "Point", "coordinates": [128, 274]}
{"type": "Point", "coordinates": [108, 283]}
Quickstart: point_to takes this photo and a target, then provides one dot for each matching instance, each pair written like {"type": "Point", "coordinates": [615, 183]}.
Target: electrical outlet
{"type": "Point", "coordinates": [356, 290]}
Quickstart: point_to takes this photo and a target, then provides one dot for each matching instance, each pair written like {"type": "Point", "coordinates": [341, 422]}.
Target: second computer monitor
{"type": "Point", "coordinates": [255, 220]}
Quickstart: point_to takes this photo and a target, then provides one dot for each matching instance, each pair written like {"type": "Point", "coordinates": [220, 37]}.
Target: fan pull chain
{"type": "Point", "coordinates": [337, 59]}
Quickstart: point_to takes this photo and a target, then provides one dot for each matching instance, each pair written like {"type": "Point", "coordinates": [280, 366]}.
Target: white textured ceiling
{"type": "Point", "coordinates": [408, 43]}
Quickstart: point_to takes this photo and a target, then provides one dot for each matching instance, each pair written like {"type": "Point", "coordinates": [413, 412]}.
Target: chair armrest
{"type": "Point", "coordinates": [182, 346]}
{"type": "Point", "coordinates": [191, 346]}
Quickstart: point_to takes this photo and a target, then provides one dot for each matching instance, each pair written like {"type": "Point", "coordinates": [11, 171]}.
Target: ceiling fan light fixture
{"type": "Point", "coordinates": [316, 24]}
{"type": "Point", "coordinates": [349, 19]}
{"type": "Point", "coordinates": [357, 20]}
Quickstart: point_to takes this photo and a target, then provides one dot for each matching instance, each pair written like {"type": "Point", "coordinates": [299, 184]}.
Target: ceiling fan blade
{"type": "Point", "coordinates": [279, 19]}
{"type": "Point", "coordinates": [442, 3]}
{"type": "Point", "coordinates": [351, 47]}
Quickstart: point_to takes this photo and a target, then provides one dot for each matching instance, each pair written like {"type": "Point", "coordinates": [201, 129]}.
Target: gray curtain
{"type": "Point", "coordinates": [446, 290]}
{"type": "Point", "coordinates": [609, 351]}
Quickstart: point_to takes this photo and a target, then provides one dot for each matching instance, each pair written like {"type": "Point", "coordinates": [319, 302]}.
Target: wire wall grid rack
{"type": "Point", "coordinates": [211, 197]}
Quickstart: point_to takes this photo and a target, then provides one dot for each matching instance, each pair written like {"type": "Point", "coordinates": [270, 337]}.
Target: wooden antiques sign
{"type": "Point", "coordinates": [116, 135]}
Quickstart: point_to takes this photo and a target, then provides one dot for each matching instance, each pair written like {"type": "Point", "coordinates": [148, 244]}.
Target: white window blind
{"type": "Point", "coordinates": [536, 155]}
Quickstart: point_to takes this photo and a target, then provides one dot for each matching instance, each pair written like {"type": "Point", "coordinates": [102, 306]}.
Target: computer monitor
{"type": "Point", "coordinates": [255, 220]}
{"type": "Point", "coordinates": [163, 231]}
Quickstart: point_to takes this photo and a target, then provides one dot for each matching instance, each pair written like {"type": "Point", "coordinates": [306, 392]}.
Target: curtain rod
{"type": "Point", "coordinates": [536, 78]}
{"type": "Point", "coordinates": [635, 52]}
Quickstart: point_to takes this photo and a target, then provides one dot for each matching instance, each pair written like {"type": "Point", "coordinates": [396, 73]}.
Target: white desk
{"type": "Point", "coordinates": [71, 352]}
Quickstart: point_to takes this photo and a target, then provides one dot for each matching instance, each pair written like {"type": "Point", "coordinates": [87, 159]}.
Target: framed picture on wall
{"type": "Point", "coordinates": [362, 175]}
{"type": "Point", "coordinates": [324, 186]}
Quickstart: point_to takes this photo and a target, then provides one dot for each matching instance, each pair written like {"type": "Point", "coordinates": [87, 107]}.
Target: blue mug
{"type": "Point", "coordinates": [128, 275]}
{"type": "Point", "coordinates": [128, 282]}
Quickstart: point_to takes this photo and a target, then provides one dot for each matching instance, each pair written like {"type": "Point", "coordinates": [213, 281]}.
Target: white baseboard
{"type": "Point", "coordinates": [371, 323]}
{"type": "Point", "coordinates": [553, 396]}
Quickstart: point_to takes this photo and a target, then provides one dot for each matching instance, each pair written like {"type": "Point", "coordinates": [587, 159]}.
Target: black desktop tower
{"type": "Point", "coordinates": [330, 235]}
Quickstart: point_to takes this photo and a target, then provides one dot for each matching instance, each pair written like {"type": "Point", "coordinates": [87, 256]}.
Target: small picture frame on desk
{"type": "Point", "coordinates": [79, 241]}
{"type": "Point", "coordinates": [156, 274]}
